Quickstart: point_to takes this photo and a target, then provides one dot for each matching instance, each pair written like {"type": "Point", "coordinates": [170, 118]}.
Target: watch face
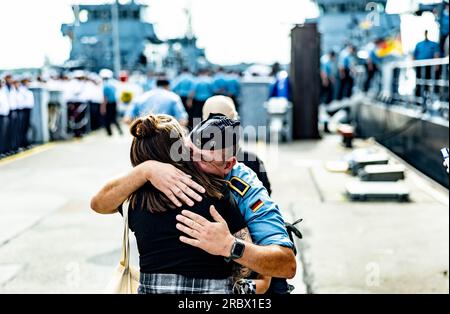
{"type": "Point", "coordinates": [238, 249]}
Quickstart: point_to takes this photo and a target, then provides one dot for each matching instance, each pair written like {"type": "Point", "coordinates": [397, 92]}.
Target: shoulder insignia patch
{"type": "Point", "coordinates": [238, 185]}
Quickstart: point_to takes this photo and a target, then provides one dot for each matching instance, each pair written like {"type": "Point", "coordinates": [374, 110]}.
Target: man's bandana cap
{"type": "Point", "coordinates": [216, 133]}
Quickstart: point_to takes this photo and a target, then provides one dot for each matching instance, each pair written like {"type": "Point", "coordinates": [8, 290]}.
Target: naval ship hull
{"type": "Point", "coordinates": [415, 138]}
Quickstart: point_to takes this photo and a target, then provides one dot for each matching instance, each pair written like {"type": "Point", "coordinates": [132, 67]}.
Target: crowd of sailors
{"type": "Point", "coordinates": [339, 69]}
{"type": "Point", "coordinates": [101, 100]}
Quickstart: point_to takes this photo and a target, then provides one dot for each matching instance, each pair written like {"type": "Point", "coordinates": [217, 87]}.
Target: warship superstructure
{"type": "Point", "coordinates": [116, 35]}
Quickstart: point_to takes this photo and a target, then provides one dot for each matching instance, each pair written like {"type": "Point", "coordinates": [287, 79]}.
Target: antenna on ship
{"type": "Point", "coordinates": [190, 28]}
{"type": "Point", "coordinates": [116, 36]}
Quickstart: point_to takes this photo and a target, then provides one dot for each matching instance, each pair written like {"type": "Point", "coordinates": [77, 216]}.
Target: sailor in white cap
{"type": "Point", "coordinates": [4, 113]}
{"type": "Point", "coordinates": [25, 103]}
{"type": "Point", "coordinates": [10, 94]}
{"type": "Point", "coordinates": [109, 104]}
{"type": "Point", "coordinates": [93, 95]}
{"type": "Point", "coordinates": [76, 103]}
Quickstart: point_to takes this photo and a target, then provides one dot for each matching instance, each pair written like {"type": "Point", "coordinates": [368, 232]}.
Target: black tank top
{"type": "Point", "coordinates": [162, 252]}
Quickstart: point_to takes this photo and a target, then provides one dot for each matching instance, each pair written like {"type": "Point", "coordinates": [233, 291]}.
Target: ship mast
{"type": "Point", "coordinates": [190, 28]}
{"type": "Point", "coordinates": [116, 37]}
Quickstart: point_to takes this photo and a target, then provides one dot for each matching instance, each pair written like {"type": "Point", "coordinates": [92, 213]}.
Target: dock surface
{"type": "Point", "coordinates": [51, 242]}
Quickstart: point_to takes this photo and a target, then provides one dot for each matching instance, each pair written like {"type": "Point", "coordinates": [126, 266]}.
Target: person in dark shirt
{"type": "Point", "coordinates": [161, 251]}
{"type": "Point", "coordinates": [167, 265]}
{"type": "Point", "coordinates": [252, 161]}
{"type": "Point", "coordinates": [225, 106]}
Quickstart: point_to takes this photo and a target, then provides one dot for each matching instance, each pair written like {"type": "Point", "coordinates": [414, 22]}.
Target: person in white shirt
{"type": "Point", "coordinates": [26, 105]}
{"type": "Point", "coordinates": [20, 111]}
{"type": "Point", "coordinates": [76, 104]}
{"type": "Point", "coordinates": [93, 95]}
{"type": "Point", "coordinates": [11, 98]}
{"type": "Point", "coordinates": [4, 113]}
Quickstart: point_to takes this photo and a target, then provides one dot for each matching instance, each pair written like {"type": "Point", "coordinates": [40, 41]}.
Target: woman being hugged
{"type": "Point", "coordinates": [167, 265]}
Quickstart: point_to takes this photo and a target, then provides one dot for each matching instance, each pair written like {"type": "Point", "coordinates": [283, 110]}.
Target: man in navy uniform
{"type": "Point", "coordinates": [11, 98]}
{"type": "Point", "coordinates": [425, 50]}
{"type": "Point", "coordinates": [347, 62]}
{"type": "Point", "coordinates": [4, 113]}
{"type": "Point", "coordinates": [272, 253]}
{"type": "Point", "coordinates": [183, 87]}
{"type": "Point", "coordinates": [202, 90]}
{"type": "Point", "coordinates": [158, 101]}
{"type": "Point", "coordinates": [226, 106]}
{"type": "Point", "coordinates": [27, 104]}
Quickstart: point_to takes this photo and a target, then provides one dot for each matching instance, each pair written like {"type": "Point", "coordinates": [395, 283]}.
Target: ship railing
{"type": "Point", "coordinates": [419, 84]}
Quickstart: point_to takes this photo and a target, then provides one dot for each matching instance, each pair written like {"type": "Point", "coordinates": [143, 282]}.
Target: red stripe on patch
{"type": "Point", "coordinates": [257, 205]}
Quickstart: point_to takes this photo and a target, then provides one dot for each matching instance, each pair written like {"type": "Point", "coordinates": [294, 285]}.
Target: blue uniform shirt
{"type": "Point", "coordinates": [444, 24]}
{"type": "Point", "coordinates": [149, 84]}
{"type": "Point", "coordinates": [203, 88]}
{"type": "Point", "coordinates": [233, 85]}
{"type": "Point", "coordinates": [329, 66]}
{"type": "Point", "coordinates": [375, 59]}
{"type": "Point", "coordinates": [426, 49]}
{"type": "Point", "coordinates": [281, 88]}
{"type": "Point", "coordinates": [109, 92]}
{"type": "Point", "coordinates": [183, 85]}
{"type": "Point", "coordinates": [158, 101]}
{"type": "Point", "coordinates": [262, 215]}
{"type": "Point", "coordinates": [219, 84]}
{"type": "Point", "coordinates": [347, 60]}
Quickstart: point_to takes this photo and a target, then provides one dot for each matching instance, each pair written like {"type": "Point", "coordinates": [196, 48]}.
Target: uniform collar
{"type": "Point", "coordinates": [233, 171]}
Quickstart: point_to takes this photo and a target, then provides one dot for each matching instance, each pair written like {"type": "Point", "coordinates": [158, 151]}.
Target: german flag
{"type": "Point", "coordinates": [390, 47]}
{"type": "Point", "coordinates": [255, 207]}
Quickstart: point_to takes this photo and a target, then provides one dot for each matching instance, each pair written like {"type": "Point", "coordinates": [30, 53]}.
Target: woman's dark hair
{"type": "Point", "coordinates": [160, 138]}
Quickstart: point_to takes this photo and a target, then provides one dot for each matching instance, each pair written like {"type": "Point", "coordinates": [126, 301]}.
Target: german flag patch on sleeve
{"type": "Point", "coordinates": [255, 207]}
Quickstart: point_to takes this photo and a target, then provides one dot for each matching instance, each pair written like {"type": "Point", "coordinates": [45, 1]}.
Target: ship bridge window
{"type": "Point", "coordinates": [345, 7]}
{"type": "Point", "coordinates": [83, 16]}
{"type": "Point", "coordinates": [123, 14]}
{"type": "Point", "coordinates": [129, 14]}
{"type": "Point", "coordinates": [100, 14]}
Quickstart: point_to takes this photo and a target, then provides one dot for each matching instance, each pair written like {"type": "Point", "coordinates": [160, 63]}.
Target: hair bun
{"type": "Point", "coordinates": [144, 127]}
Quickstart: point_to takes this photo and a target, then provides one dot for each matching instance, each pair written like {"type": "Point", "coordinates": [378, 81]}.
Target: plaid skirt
{"type": "Point", "coordinates": [177, 284]}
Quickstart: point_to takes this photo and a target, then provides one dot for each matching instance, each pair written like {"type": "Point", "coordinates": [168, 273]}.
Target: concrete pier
{"type": "Point", "coordinates": [51, 242]}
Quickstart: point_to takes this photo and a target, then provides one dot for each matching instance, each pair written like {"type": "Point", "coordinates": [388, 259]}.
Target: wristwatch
{"type": "Point", "coordinates": [237, 251]}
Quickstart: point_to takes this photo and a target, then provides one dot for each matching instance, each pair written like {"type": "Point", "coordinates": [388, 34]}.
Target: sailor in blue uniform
{"type": "Point", "coordinates": [261, 214]}
{"type": "Point", "coordinates": [425, 50]}
{"type": "Point", "coordinates": [183, 86]}
{"type": "Point", "coordinates": [233, 87]}
{"type": "Point", "coordinates": [219, 83]}
{"type": "Point", "coordinates": [347, 62]}
{"type": "Point", "coordinates": [202, 90]}
{"type": "Point", "coordinates": [444, 28]}
{"type": "Point", "coordinates": [158, 101]}
{"type": "Point", "coordinates": [329, 74]}
{"type": "Point", "coordinates": [281, 87]}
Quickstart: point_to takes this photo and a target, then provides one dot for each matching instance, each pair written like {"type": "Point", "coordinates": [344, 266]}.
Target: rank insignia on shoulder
{"type": "Point", "coordinates": [255, 207]}
{"type": "Point", "coordinates": [238, 185]}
